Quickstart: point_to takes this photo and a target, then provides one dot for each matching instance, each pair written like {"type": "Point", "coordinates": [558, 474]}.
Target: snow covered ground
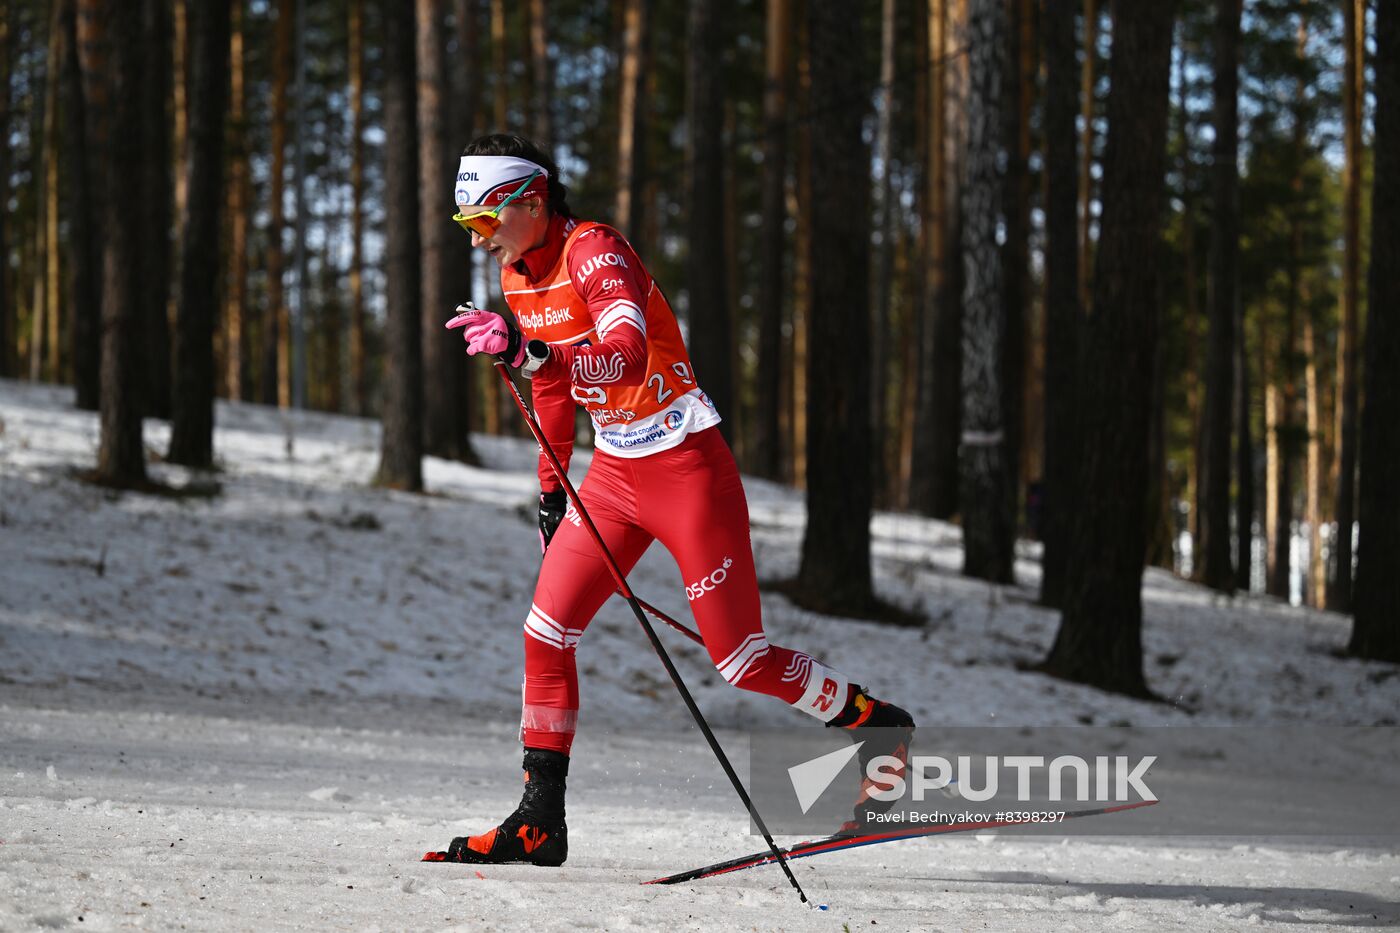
{"type": "Point", "coordinates": [255, 710]}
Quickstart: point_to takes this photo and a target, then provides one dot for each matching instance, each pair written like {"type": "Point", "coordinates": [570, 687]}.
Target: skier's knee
{"type": "Point", "coordinates": [744, 665]}
{"type": "Point", "coordinates": [542, 627]}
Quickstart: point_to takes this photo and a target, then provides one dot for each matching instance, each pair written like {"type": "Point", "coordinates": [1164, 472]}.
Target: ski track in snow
{"type": "Point", "coordinates": [255, 711]}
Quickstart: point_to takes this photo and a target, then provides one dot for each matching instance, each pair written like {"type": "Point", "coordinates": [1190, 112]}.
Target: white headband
{"type": "Point", "coordinates": [488, 180]}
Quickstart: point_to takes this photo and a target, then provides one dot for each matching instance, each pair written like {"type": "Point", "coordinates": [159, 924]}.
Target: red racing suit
{"type": "Point", "coordinates": [660, 472]}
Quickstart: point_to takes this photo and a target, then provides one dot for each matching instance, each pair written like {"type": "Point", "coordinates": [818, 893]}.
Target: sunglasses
{"type": "Point", "coordinates": [485, 223]}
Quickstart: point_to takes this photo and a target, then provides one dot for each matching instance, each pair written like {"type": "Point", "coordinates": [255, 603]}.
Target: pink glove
{"type": "Point", "coordinates": [488, 332]}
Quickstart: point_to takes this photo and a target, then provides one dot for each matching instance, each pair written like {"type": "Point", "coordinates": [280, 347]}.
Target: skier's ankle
{"type": "Point", "coordinates": [550, 764]}
{"type": "Point", "coordinates": [858, 708]}
{"type": "Point", "coordinates": [862, 709]}
{"type": "Point", "coordinates": [546, 774]}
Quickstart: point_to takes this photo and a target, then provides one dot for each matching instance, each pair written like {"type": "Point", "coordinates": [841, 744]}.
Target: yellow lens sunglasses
{"type": "Point", "coordinates": [485, 223]}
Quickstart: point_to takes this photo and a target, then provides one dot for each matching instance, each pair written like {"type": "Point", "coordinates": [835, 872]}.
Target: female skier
{"type": "Point", "coordinates": [592, 328]}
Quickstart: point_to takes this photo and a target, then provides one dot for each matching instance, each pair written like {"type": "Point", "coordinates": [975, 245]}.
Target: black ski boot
{"type": "Point", "coordinates": [884, 729]}
{"type": "Point", "coordinates": [535, 833]}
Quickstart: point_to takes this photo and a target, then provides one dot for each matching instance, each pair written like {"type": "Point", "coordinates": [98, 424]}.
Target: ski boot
{"type": "Point", "coordinates": [535, 833]}
{"type": "Point", "coordinates": [884, 729]}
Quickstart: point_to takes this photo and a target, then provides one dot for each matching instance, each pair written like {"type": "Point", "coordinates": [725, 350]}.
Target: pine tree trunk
{"type": "Point", "coordinates": [922, 485]}
{"type": "Point", "coordinates": [401, 453]}
{"type": "Point", "coordinates": [835, 572]}
{"type": "Point", "coordinates": [500, 65]}
{"type": "Point", "coordinates": [1031, 371]}
{"type": "Point", "coordinates": [359, 377]}
{"type": "Point", "coordinates": [1281, 544]}
{"type": "Point", "coordinates": [949, 428]}
{"type": "Point", "coordinates": [650, 217]}
{"type": "Point", "coordinates": [29, 282]}
{"type": "Point", "coordinates": [156, 195]}
{"type": "Point", "coordinates": [38, 303]}
{"type": "Point", "coordinates": [1087, 80]}
{"type": "Point", "coordinates": [1273, 462]}
{"type": "Point", "coordinates": [1062, 312]}
{"type": "Point", "coordinates": [443, 434]}
{"type": "Point", "coordinates": [768, 447]}
{"type": "Point", "coordinates": [1191, 285]}
{"type": "Point", "coordinates": [300, 323]}
{"type": "Point", "coordinates": [192, 421]}
{"type": "Point", "coordinates": [90, 46]}
{"type": "Point", "coordinates": [54, 315]}
{"type": "Point", "coordinates": [1280, 457]}
{"type": "Point", "coordinates": [26, 247]}
{"type": "Point", "coordinates": [1244, 459]}
{"type": "Point", "coordinates": [277, 332]}
{"type": "Point", "coordinates": [1348, 338]}
{"type": "Point", "coordinates": [915, 287]}
{"type": "Point", "coordinates": [44, 327]}
{"type": "Point", "coordinates": [1375, 632]}
{"type": "Point", "coordinates": [800, 210]}
{"type": "Point", "coordinates": [739, 416]}
{"type": "Point", "coordinates": [1214, 567]}
{"type": "Point", "coordinates": [631, 137]}
{"type": "Point", "coordinates": [988, 535]}
{"type": "Point", "coordinates": [707, 257]}
{"type": "Point", "coordinates": [54, 310]}
{"type": "Point", "coordinates": [330, 329]}
{"type": "Point", "coordinates": [179, 101]}
{"type": "Point", "coordinates": [84, 240]}
{"type": "Point", "coordinates": [1100, 636]}
{"type": "Point", "coordinates": [880, 284]}
{"type": "Point", "coordinates": [111, 46]}
{"type": "Point", "coordinates": [1315, 579]}
{"type": "Point", "coordinates": [908, 271]}
{"type": "Point", "coordinates": [1161, 523]}
{"type": "Point", "coordinates": [936, 494]}
{"type": "Point", "coordinates": [32, 314]}
{"type": "Point", "coordinates": [1015, 253]}
{"type": "Point", "coordinates": [1158, 506]}
{"type": "Point", "coordinates": [524, 52]}
{"type": "Point", "coordinates": [7, 304]}
{"type": "Point", "coordinates": [177, 145]}
{"type": "Point", "coordinates": [1282, 437]}
{"type": "Point", "coordinates": [236, 302]}
{"type": "Point", "coordinates": [543, 104]}
{"type": "Point", "coordinates": [1271, 439]}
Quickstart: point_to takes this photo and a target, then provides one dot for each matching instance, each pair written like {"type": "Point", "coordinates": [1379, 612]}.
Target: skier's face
{"type": "Point", "coordinates": [523, 226]}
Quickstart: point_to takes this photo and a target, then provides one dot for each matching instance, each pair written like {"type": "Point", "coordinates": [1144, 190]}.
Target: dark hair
{"type": "Point", "coordinates": [507, 144]}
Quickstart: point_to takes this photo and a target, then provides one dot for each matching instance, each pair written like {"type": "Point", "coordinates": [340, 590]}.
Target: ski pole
{"type": "Point", "coordinates": [656, 645]}
{"type": "Point", "coordinates": [678, 626]}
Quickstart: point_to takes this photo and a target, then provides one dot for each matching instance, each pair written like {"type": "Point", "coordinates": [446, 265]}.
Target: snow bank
{"type": "Point", "coordinates": [254, 710]}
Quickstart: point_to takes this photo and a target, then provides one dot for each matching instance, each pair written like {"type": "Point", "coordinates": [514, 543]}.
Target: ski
{"type": "Point", "coordinates": [838, 842]}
